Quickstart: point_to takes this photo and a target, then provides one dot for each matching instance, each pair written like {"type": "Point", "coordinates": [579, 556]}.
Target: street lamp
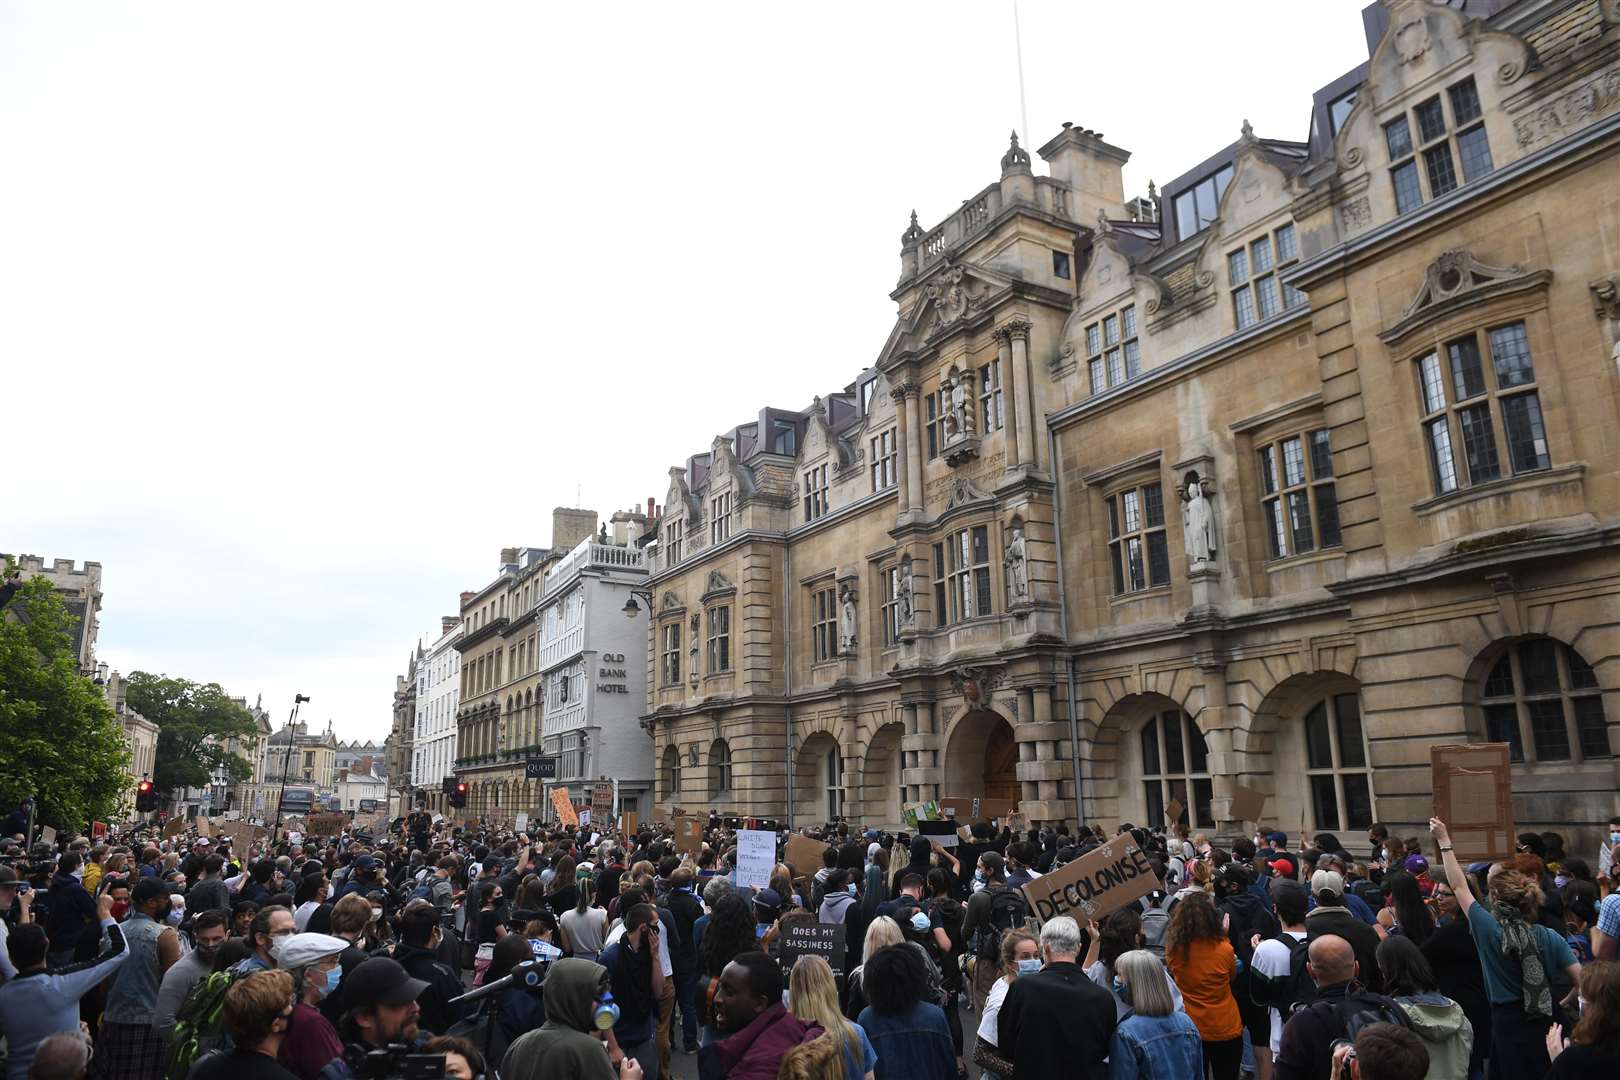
{"type": "Point", "coordinates": [286, 762]}
{"type": "Point", "coordinates": [631, 609]}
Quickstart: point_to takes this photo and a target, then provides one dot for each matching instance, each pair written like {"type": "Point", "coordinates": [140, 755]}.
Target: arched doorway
{"type": "Point", "coordinates": [981, 758]}
{"type": "Point", "coordinates": [818, 789]}
{"type": "Point", "coordinates": [882, 797]}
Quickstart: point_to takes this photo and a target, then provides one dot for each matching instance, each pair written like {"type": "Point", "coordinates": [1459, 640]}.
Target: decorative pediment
{"type": "Point", "coordinates": [963, 491]}
{"type": "Point", "coordinates": [954, 292]}
{"type": "Point", "coordinates": [679, 496]}
{"type": "Point", "coordinates": [671, 603]}
{"type": "Point", "coordinates": [953, 297]}
{"type": "Point", "coordinates": [1457, 280]}
{"type": "Point", "coordinates": [718, 585]}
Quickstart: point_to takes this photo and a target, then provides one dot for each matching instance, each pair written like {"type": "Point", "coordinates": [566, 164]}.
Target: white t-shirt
{"type": "Point", "coordinates": [1272, 960]}
{"type": "Point", "coordinates": [663, 945]}
{"type": "Point", "coordinates": [992, 1009]}
{"type": "Point", "coordinates": [302, 914]}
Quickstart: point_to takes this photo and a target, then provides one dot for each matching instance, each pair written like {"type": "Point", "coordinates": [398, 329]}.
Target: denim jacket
{"type": "Point", "coordinates": [1156, 1048]}
{"type": "Point", "coordinates": [915, 1045]}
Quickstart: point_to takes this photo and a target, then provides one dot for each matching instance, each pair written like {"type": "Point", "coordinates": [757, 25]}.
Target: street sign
{"type": "Point", "coordinates": [540, 768]}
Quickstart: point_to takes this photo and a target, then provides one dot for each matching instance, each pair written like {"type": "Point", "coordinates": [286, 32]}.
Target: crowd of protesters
{"type": "Point", "coordinates": [146, 956]}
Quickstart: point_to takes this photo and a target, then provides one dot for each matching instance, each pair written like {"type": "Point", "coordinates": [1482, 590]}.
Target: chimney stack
{"type": "Point", "coordinates": [447, 623]}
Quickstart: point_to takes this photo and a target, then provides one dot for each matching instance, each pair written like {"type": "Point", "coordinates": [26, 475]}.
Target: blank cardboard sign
{"type": "Point", "coordinates": [1473, 795]}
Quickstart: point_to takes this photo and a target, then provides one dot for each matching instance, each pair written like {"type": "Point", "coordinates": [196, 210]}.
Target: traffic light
{"type": "Point", "coordinates": [458, 796]}
{"type": "Point", "coordinates": [146, 799]}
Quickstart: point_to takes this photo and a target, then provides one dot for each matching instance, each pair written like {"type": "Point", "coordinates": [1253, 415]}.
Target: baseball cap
{"type": "Point", "coordinates": [1284, 867]}
{"type": "Point", "coordinates": [768, 898]}
{"type": "Point", "coordinates": [1327, 881]}
{"type": "Point", "coordinates": [1279, 838]}
{"type": "Point", "coordinates": [380, 980]}
{"type": "Point", "coordinates": [1417, 864]}
{"type": "Point", "coordinates": [365, 862]}
{"type": "Point", "coordinates": [8, 876]}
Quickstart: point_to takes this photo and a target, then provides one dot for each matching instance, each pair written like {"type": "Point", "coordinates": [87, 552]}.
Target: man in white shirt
{"type": "Point", "coordinates": [1273, 958]}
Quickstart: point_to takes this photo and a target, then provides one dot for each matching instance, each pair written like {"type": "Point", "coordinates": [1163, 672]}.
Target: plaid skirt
{"type": "Point", "coordinates": [129, 1052]}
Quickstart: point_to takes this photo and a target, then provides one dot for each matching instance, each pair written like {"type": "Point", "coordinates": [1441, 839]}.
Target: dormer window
{"type": "Point", "coordinates": [866, 397]}
{"type": "Point", "coordinates": [784, 438]}
{"type": "Point", "coordinates": [1435, 146]}
{"type": "Point", "coordinates": [1339, 109]}
{"type": "Point", "coordinates": [720, 518]}
{"type": "Point", "coordinates": [1197, 206]}
{"type": "Point", "coordinates": [1112, 351]}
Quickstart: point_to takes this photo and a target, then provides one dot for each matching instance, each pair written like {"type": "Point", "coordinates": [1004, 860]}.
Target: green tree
{"type": "Point", "coordinates": [59, 739]}
{"type": "Point", "coordinates": [194, 720]}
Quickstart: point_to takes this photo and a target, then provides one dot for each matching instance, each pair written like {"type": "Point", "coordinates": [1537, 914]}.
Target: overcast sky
{"type": "Point", "coordinates": [310, 308]}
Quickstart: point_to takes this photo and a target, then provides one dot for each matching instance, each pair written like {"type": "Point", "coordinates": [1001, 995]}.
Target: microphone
{"type": "Point", "coordinates": [529, 973]}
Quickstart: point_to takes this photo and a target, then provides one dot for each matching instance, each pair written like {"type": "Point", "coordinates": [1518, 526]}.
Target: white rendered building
{"type": "Point", "coordinates": [438, 693]}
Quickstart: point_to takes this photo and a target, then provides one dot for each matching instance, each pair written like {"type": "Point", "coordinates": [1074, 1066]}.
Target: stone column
{"type": "Point", "coordinates": [905, 394]}
{"type": "Point", "coordinates": [1043, 766]}
{"type": "Point", "coordinates": [1214, 721]}
{"type": "Point", "coordinates": [920, 753]}
{"type": "Point", "coordinates": [1012, 385]}
{"type": "Point", "coordinates": [1017, 332]}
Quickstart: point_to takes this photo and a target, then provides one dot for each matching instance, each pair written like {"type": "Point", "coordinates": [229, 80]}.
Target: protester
{"type": "Point", "coordinates": [270, 925]}
{"type": "Point", "coordinates": [880, 934]}
{"type": "Point", "coordinates": [130, 1046]}
{"type": "Point", "coordinates": [383, 1005]}
{"type": "Point", "coordinates": [462, 1061]}
{"type": "Point", "coordinates": [1020, 955]}
{"type": "Point", "coordinates": [1277, 976]}
{"type": "Point", "coordinates": [1518, 956]}
{"type": "Point", "coordinates": [584, 924]}
{"type": "Point", "coordinates": [909, 1034]}
{"type": "Point", "coordinates": [813, 998]}
{"type": "Point", "coordinates": [1381, 1052]}
{"type": "Point", "coordinates": [757, 1028]}
{"type": "Point", "coordinates": [1330, 916]}
{"type": "Point", "coordinates": [1056, 1021]}
{"type": "Point", "coordinates": [1305, 1051]}
{"type": "Point", "coordinates": [1436, 1019]}
{"type": "Point", "coordinates": [71, 912]}
{"type": "Point", "coordinates": [310, 1043]}
{"type": "Point", "coordinates": [638, 979]}
{"type": "Point", "coordinates": [62, 1057]}
{"type": "Point", "coordinates": [728, 934]}
{"type": "Point", "coordinates": [417, 953]}
{"type": "Point", "coordinates": [256, 1013]}
{"type": "Point", "coordinates": [1592, 1047]}
{"type": "Point", "coordinates": [1156, 1040]}
{"type": "Point", "coordinates": [12, 893]}
{"type": "Point", "coordinates": [36, 1005]}
{"type": "Point", "coordinates": [208, 933]}
{"type": "Point", "coordinates": [1202, 962]}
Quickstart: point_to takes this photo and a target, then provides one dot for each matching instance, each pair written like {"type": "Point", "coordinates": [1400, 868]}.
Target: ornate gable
{"type": "Point", "coordinates": [953, 294]}
{"type": "Point", "coordinates": [679, 497]}
{"type": "Point", "coordinates": [1457, 280]}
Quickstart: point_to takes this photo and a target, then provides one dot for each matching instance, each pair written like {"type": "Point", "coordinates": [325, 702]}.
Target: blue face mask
{"type": "Point", "coordinates": [978, 875]}
{"type": "Point", "coordinates": [330, 984]}
{"type": "Point", "coordinates": [852, 890]}
{"type": "Point", "coordinates": [1030, 966]}
{"type": "Point", "coordinates": [1118, 987]}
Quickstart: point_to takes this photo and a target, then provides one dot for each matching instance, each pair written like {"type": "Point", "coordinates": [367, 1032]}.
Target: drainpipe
{"type": "Point", "coordinates": [787, 670]}
{"type": "Point", "coordinates": [1063, 615]}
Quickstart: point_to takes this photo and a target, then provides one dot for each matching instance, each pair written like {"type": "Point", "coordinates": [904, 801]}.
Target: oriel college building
{"type": "Point", "coordinates": [1276, 476]}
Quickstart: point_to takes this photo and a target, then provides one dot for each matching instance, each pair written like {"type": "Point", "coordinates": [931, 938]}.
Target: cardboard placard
{"type": "Point", "coordinates": [47, 834]}
{"type": "Point", "coordinates": [175, 827]}
{"type": "Point", "coordinates": [564, 806]}
{"type": "Point", "coordinates": [98, 829]}
{"type": "Point", "coordinates": [602, 800]}
{"type": "Point", "coordinates": [803, 853]}
{"type": "Point", "coordinates": [1096, 885]}
{"type": "Point", "coordinates": [326, 824]}
{"type": "Point", "coordinates": [522, 822]}
{"type": "Point", "coordinates": [1247, 803]}
{"type": "Point", "coordinates": [688, 835]}
{"type": "Point", "coordinates": [1473, 795]}
{"type": "Point", "coordinates": [1173, 812]}
{"type": "Point", "coordinates": [756, 858]}
{"type": "Point", "coordinates": [825, 940]}
{"type": "Point", "coordinates": [660, 815]}
{"type": "Point", "coordinates": [629, 823]}
{"type": "Point", "coordinates": [942, 833]}
{"type": "Point", "coordinates": [205, 827]}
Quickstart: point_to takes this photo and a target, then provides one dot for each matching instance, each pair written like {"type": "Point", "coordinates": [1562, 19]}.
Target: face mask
{"type": "Point", "coordinates": [1118, 986]}
{"type": "Point", "coordinates": [1030, 966]}
{"type": "Point", "coordinates": [376, 913]}
{"type": "Point", "coordinates": [1560, 880]}
{"type": "Point", "coordinates": [852, 890]}
{"type": "Point", "coordinates": [176, 916]}
{"type": "Point", "coordinates": [119, 910]}
{"type": "Point", "coordinates": [978, 875]}
{"type": "Point", "coordinates": [330, 983]}
{"type": "Point", "coordinates": [1614, 838]}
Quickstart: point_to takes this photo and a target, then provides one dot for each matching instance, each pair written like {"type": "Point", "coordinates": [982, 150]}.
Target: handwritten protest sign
{"type": "Point", "coordinates": [47, 834]}
{"type": "Point", "coordinates": [1473, 795]}
{"type": "Point", "coordinates": [1097, 884]}
{"type": "Point", "coordinates": [1173, 812]}
{"type": "Point", "coordinates": [602, 800]}
{"type": "Point", "coordinates": [756, 858]}
{"type": "Point", "coordinates": [327, 824]}
{"type": "Point", "coordinates": [564, 806]}
{"type": "Point", "coordinates": [825, 940]}
{"type": "Point", "coordinates": [628, 822]}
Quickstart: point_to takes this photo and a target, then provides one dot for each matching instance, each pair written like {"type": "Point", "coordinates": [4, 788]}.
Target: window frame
{"type": "Point", "coordinates": [1492, 400]}
{"type": "Point", "coordinates": [885, 451]}
{"type": "Point", "coordinates": [720, 518]}
{"type": "Point", "coordinates": [1248, 291]}
{"type": "Point", "coordinates": [1217, 182]}
{"type": "Point", "coordinates": [815, 492]}
{"type": "Point", "coordinates": [1113, 349]}
{"type": "Point", "coordinates": [1424, 154]}
{"type": "Point", "coordinates": [1276, 491]}
{"type": "Point", "coordinates": [670, 668]}
{"type": "Point", "coordinates": [1164, 778]}
{"type": "Point", "coordinates": [992, 415]}
{"type": "Point", "coordinates": [1119, 535]}
{"type": "Point", "coordinates": [889, 609]}
{"type": "Point", "coordinates": [935, 419]}
{"type": "Point", "coordinates": [1522, 701]}
{"type": "Point", "coordinates": [824, 623]}
{"type": "Point", "coordinates": [962, 583]}
{"type": "Point", "coordinates": [717, 644]}
{"type": "Point", "coordinates": [1332, 708]}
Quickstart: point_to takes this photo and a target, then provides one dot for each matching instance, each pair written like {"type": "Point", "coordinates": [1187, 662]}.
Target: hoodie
{"type": "Point", "coordinates": [72, 914]}
{"type": "Point", "coordinates": [562, 1048]}
{"type": "Point", "coordinates": [835, 907]}
{"type": "Point", "coordinates": [1447, 1035]}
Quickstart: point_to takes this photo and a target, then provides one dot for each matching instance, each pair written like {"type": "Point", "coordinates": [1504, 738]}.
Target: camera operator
{"type": "Point", "coordinates": [20, 893]}
{"type": "Point", "coordinates": [381, 997]}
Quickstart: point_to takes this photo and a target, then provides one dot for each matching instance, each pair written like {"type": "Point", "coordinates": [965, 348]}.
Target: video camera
{"type": "Point", "coordinates": [394, 1062]}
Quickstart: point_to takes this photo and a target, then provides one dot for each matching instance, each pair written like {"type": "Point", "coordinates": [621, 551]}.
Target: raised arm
{"type": "Point", "coordinates": [1456, 877]}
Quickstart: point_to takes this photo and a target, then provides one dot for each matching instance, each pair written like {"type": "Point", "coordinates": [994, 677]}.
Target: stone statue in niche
{"type": "Point", "coordinates": [960, 420]}
{"type": "Point", "coordinates": [1016, 564]}
{"type": "Point", "coordinates": [692, 653]}
{"type": "Point", "coordinates": [1198, 522]}
{"type": "Point", "coordinates": [846, 621]}
{"type": "Point", "coordinates": [908, 609]}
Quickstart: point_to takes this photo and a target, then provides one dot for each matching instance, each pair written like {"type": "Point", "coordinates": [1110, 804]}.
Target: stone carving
{"type": "Point", "coordinates": [1605, 299]}
{"type": "Point", "coordinates": [692, 652]}
{"type": "Point", "coordinates": [908, 606]}
{"type": "Point", "coordinates": [1016, 563]}
{"type": "Point", "coordinates": [1016, 157]}
{"type": "Point", "coordinates": [950, 297]}
{"type": "Point", "coordinates": [1412, 40]}
{"type": "Point", "coordinates": [1453, 273]}
{"type": "Point", "coordinates": [846, 621]}
{"type": "Point", "coordinates": [671, 602]}
{"type": "Point", "coordinates": [718, 582]}
{"type": "Point", "coordinates": [913, 231]}
{"type": "Point", "coordinates": [963, 490]}
{"type": "Point", "coordinates": [1351, 158]}
{"type": "Point", "coordinates": [958, 422]}
{"type": "Point", "coordinates": [1198, 522]}
{"type": "Point", "coordinates": [1355, 214]}
{"type": "Point", "coordinates": [975, 684]}
{"type": "Point", "coordinates": [1572, 108]}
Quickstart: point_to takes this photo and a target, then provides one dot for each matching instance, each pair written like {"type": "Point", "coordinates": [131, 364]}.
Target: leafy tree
{"type": "Point", "coordinates": [59, 739]}
{"type": "Point", "coordinates": [194, 720]}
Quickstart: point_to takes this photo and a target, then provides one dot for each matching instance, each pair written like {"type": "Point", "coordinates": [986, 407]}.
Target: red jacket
{"type": "Point", "coordinates": [756, 1052]}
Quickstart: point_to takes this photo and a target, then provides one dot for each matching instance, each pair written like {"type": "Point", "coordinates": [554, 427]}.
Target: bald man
{"type": "Point", "coordinates": [1306, 1051]}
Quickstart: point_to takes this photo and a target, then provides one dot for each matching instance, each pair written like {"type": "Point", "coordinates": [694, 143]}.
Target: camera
{"type": "Point", "coordinates": [395, 1062]}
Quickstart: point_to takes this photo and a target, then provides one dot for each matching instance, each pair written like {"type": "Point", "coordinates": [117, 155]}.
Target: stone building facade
{"type": "Point", "coordinates": [140, 734]}
{"type": "Point", "coordinates": [79, 588]}
{"type": "Point", "coordinates": [1280, 476]}
{"type": "Point", "coordinates": [310, 760]}
{"type": "Point", "coordinates": [438, 693]}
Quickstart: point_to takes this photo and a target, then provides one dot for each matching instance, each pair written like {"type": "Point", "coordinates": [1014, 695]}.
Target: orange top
{"type": "Point", "coordinates": [1205, 980]}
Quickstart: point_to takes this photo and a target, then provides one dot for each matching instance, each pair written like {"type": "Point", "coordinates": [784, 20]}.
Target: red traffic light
{"type": "Point", "coordinates": [461, 789]}
{"type": "Point", "coordinates": [146, 785]}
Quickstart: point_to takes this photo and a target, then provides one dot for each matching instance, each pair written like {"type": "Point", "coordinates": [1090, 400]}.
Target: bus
{"type": "Point", "coordinates": [369, 806]}
{"type": "Point", "coordinates": [298, 800]}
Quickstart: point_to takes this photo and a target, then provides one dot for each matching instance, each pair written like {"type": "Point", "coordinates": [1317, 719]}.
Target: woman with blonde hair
{"type": "Point", "coordinates": [813, 998]}
{"type": "Point", "coordinates": [1020, 954]}
{"type": "Point", "coordinates": [1156, 1041]}
{"type": "Point", "coordinates": [881, 932]}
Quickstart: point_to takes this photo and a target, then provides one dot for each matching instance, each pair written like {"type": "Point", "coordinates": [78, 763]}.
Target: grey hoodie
{"type": "Point", "coordinates": [1447, 1035]}
{"type": "Point", "coordinates": [562, 1048]}
{"type": "Point", "coordinates": [835, 908]}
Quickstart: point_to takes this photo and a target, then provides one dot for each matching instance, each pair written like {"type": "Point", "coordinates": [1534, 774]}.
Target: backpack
{"type": "Point", "coordinates": [1285, 992]}
{"type": "Point", "coordinates": [1008, 911]}
{"type": "Point", "coordinates": [1156, 921]}
{"type": "Point", "coordinates": [198, 1028]}
{"type": "Point", "coordinates": [1355, 1013]}
{"type": "Point", "coordinates": [423, 891]}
